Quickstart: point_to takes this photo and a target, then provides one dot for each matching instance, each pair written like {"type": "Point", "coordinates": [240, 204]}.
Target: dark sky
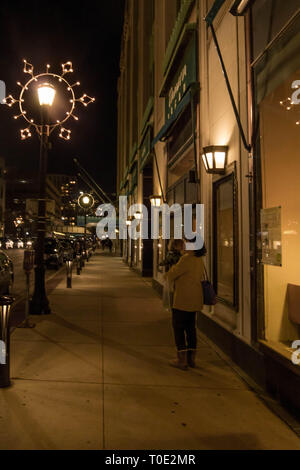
{"type": "Point", "coordinates": [88, 34]}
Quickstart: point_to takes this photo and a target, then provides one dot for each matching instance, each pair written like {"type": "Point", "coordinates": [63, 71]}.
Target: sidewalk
{"type": "Point", "coordinates": [94, 375]}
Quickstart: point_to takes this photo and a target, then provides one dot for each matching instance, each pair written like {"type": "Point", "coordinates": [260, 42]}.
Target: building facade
{"type": "Point", "coordinates": [2, 196]}
{"type": "Point", "coordinates": [209, 112]}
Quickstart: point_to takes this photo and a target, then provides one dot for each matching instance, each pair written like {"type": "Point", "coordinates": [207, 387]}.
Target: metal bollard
{"type": "Point", "coordinates": [5, 305]}
{"type": "Point", "coordinates": [69, 266]}
{"type": "Point", "coordinates": [78, 264]}
{"type": "Point", "coordinates": [28, 265]}
{"type": "Point", "coordinates": [82, 259]}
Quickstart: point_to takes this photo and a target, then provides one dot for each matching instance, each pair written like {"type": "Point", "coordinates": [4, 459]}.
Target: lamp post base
{"type": "Point", "coordinates": [39, 304]}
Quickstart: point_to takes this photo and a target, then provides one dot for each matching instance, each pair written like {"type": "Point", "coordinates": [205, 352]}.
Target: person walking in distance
{"type": "Point", "coordinates": [109, 244]}
{"type": "Point", "coordinates": [187, 275]}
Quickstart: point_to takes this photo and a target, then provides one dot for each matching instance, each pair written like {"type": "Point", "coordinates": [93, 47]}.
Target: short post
{"type": "Point", "coordinates": [78, 263]}
{"type": "Point", "coordinates": [28, 265]}
{"type": "Point", "coordinates": [5, 304]}
{"type": "Point", "coordinates": [69, 266]}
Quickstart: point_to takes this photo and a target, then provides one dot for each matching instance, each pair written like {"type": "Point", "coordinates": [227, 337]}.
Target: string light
{"type": "Point", "coordinates": [66, 68]}
{"type": "Point", "coordinates": [86, 99]}
{"type": "Point", "coordinates": [28, 68]}
{"type": "Point", "coordinates": [25, 133]}
{"type": "Point", "coordinates": [65, 133]}
{"type": "Point", "coordinates": [288, 104]}
{"type": "Point", "coordinates": [10, 100]}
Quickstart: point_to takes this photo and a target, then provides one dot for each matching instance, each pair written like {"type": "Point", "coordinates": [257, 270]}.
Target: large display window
{"type": "Point", "coordinates": [277, 79]}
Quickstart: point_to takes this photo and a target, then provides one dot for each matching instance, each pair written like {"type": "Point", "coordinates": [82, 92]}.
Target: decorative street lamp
{"type": "Point", "coordinates": [215, 159]}
{"type": "Point", "coordinates": [86, 202]}
{"type": "Point", "coordinates": [45, 87]}
{"type": "Point", "coordinates": [18, 221]}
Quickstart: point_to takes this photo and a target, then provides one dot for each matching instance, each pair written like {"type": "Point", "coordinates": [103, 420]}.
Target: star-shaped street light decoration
{"type": "Point", "coordinates": [47, 77]}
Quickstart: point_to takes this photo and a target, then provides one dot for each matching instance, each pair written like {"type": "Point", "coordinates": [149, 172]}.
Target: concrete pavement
{"type": "Point", "coordinates": [94, 375]}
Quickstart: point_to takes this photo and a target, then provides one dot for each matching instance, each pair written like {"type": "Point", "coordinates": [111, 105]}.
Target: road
{"type": "Point", "coordinates": [19, 287]}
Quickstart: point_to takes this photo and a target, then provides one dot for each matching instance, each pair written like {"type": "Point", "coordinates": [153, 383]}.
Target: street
{"type": "Point", "coordinates": [19, 287]}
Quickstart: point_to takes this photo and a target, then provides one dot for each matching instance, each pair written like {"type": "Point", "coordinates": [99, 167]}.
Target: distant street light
{"type": "Point", "coordinates": [86, 202]}
{"type": "Point", "coordinates": [156, 201]}
{"type": "Point", "coordinates": [42, 87]}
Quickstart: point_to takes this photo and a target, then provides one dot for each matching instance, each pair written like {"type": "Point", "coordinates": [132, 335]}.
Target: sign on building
{"type": "Point", "coordinates": [32, 207]}
{"type": "Point", "coordinates": [271, 236]}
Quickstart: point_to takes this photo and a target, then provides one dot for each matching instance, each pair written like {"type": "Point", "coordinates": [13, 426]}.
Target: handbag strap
{"type": "Point", "coordinates": [205, 271]}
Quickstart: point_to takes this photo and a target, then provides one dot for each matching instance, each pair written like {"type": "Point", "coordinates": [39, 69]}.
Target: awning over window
{"type": "Point", "coordinates": [163, 133]}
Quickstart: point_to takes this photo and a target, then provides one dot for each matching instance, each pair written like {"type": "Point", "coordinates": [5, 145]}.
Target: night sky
{"type": "Point", "coordinates": [88, 34]}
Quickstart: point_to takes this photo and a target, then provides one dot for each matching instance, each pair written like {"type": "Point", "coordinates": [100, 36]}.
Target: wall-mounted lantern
{"type": "Point", "coordinates": [215, 159]}
{"type": "Point", "coordinates": [138, 215]}
{"type": "Point", "coordinates": [156, 201]}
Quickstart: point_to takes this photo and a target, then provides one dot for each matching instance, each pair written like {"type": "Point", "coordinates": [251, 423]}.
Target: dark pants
{"type": "Point", "coordinates": [184, 326]}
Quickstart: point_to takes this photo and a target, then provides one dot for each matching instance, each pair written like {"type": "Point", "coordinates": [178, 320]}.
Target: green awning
{"type": "Point", "coordinates": [213, 11]}
{"type": "Point", "coordinates": [166, 127]}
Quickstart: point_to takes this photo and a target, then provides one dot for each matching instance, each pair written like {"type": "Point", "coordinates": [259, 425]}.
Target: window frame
{"type": "Point", "coordinates": [231, 176]}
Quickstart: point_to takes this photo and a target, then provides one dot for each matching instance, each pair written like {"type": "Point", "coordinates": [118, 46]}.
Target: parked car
{"type": "Point", "coordinates": [6, 243]}
{"type": "Point", "coordinates": [68, 250]}
{"type": "Point", "coordinates": [18, 243]}
{"type": "Point", "coordinates": [53, 253]}
{"type": "Point", "coordinates": [6, 273]}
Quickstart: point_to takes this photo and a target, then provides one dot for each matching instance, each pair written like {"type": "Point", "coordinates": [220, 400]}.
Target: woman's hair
{"type": "Point", "coordinates": [176, 244]}
{"type": "Point", "coordinates": [201, 252]}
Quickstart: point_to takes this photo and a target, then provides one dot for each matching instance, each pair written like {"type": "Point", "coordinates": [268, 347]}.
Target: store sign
{"type": "Point", "coordinates": [134, 179]}
{"type": "Point", "coordinates": [145, 148]}
{"type": "Point", "coordinates": [184, 77]}
{"type": "Point", "coordinates": [89, 220]}
{"type": "Point", "coordinates": [271, 236]}
{"type": "Point", "coordinates": [32, 206]}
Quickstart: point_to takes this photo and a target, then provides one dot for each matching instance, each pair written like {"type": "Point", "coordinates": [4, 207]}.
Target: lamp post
{"type": "Point", "coordinates": [18, 224]}
{"type": "Point", "coordinates": [39, 303]}
{"type": "Point", "coordinates": [42, 85]}
{"type": "Point", "coordinates": [86, 202]}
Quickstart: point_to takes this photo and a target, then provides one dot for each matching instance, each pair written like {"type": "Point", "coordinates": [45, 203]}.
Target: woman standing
{"type": "Point", "coordinates": [175, 251]}
{"type": "Point", "coordinates": [187, 275]}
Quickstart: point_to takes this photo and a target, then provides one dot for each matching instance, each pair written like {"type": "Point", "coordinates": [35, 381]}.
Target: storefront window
{"type": "Point", "coordinates": [278, 117]}
{"type": "Point", "coordinates": [225, 275]}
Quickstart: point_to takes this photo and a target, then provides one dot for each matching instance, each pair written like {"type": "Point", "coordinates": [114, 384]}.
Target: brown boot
{"type": "Point", "coordinates": [181, 361]}
{"type": "Point", "coordinates": [191, 356]}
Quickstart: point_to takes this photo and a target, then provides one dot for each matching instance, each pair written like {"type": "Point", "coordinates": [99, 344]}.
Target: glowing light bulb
{"type": "Point", "coordinates": [46, 94]}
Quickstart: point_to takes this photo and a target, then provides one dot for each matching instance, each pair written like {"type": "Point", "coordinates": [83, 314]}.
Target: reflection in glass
{"type": "Point", "coordinates": [224, 240]}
